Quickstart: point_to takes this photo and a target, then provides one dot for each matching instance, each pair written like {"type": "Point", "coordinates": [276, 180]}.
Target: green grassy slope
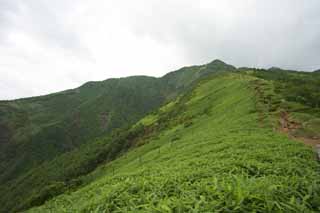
{"type": "Point", "coordinates": [300, 93]}
{"type": "Point", "coordinates": [36, 129]}
{"type": "Point", "coordinates": [51, 140]}
{"type": "Point", "coordinates": [211, 150]}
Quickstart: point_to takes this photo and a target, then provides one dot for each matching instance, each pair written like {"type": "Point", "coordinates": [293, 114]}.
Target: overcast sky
{"type": "Point", "coordinates": [52, 45]}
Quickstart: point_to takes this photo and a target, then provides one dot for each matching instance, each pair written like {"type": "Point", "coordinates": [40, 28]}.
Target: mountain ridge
{"type": "Point", "coordinates": [68, 119]}
{"type": "Point", "coordinates": [215, 62]}
{"type": "Point", "coordinates": [93, 125]}
{"type": "Point", "coordinates": [202, 155]}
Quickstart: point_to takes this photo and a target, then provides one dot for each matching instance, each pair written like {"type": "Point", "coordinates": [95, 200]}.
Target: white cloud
{"type": "Point", "coordinates": [47, 46]}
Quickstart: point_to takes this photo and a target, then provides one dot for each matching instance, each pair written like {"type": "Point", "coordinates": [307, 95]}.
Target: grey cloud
{"type": "Point", "coordinates": [283, 33]}
{"type": "Point", "coordinates": [43, 20]}
{"type": "Point", "coordinates": [52, 39]}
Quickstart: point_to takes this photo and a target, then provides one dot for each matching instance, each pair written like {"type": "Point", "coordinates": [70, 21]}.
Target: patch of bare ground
{"type": "Point", "coordinates": [287, 127]}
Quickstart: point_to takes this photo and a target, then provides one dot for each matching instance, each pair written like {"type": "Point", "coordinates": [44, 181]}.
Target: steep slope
{"type": "Point", "coordinates": [50, 140]}
{"type": "Point", "coordinates": [44, 127]}
{"type": "Point", "coordinates": [212, 149]}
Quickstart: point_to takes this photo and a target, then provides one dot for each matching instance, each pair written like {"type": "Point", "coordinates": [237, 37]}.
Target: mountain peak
{"type": "Point", "coordinates": [274, 68]}
{"type": "Point", "coordinates": [218, 62]}
{"type": "Point", "coordinates": [220, 65]}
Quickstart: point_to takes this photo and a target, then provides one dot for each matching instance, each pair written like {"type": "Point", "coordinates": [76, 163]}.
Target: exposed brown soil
{"type": "Point", "coordinates": [287, 126]}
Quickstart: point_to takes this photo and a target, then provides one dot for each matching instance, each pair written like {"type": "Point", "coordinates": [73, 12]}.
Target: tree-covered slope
{"type": "Point", "coordinates": [43, 127]}
{"type": "Point", "coordinates": [49, 140]}
{"type": "Point", "coordinates": [214, 149]}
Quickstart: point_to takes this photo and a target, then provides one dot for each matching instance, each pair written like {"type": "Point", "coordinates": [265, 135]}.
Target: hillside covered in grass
{"type": "Point", "coordinates": [207, 138]}
{"type": "Point", "coordinates": [213, 149]}
{"type": "Point", "coordinates": [52, 139]}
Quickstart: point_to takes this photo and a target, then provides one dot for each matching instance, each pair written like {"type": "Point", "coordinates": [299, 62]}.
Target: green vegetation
{"type": "Point", "coordinates": [200, 139]}
{"type": "Point", "coordinates": [300, 92]}
{"type": "Point", "coordinates": [53, 139]}
{"type": "Point", "coordinates": [224, 160]}
{"type": "Point", "coordinates": [68, 119]}
{"type": "Point", "coordinates": [297, 87]}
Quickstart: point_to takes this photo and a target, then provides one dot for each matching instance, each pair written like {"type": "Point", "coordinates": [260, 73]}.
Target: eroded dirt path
{"type": "Point", "coordinates": [287, 127]}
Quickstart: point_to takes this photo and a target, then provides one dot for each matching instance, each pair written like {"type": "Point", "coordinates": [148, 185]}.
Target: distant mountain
{"type": "Point", "coordinates": [274, 69]}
